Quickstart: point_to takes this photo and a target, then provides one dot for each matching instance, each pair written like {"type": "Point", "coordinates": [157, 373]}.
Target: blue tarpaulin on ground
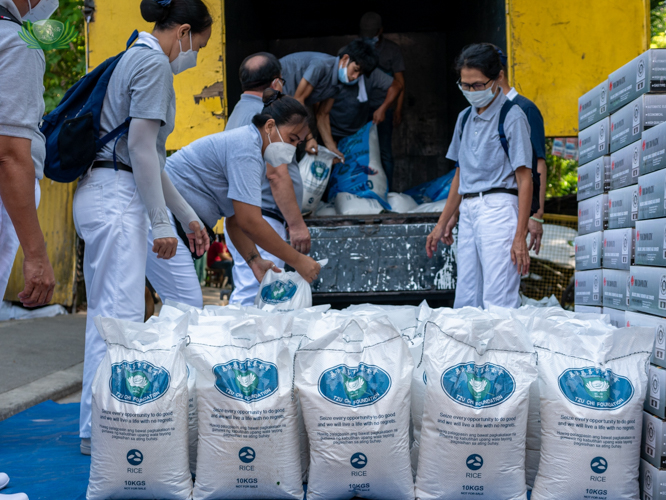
{"type": "Point", "coordinates": [39, 451]}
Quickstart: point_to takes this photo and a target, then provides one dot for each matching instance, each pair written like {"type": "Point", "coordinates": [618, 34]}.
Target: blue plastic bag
{"type": "Point", "coordinates": [361, 174]}
{"type": "Point", "coordinates": [432, 190]}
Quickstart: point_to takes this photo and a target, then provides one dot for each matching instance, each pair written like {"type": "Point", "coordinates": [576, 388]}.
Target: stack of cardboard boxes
{"type": "Point", "coordinates": [621, 247]}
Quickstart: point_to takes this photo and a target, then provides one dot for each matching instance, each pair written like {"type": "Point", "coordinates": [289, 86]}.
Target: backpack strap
{"type": "Point", "coordinates": [465, 117]}
{"type": "Point", "coordinates": [506, 107]}
{"type": "Point", "coordinates": [5, 15]}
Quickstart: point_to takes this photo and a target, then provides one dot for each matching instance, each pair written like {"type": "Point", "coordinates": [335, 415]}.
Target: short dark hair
{"type": "Point", "coordinates": [259, 75]}
{"type": "Point", "coordinates": [169, 13]}
{"type": "Point", "coordinates": [362, 53]}
{"type": "Point", "coordinates": [482, 56]}
{"type": "Point", "coordinates": [280, 107]}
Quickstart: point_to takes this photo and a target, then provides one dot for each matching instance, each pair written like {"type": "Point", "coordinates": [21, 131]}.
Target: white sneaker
{"type": "Point", "coordinates": [4, 480]}
{"type": "Point", "coordinates": [85, 446]}
{"type": "Point", "coordinates": [14, 496]}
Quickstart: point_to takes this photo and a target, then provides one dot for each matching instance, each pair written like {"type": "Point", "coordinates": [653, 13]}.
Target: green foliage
{"type": "Point", "coordinates": [65, 66]}
{"type": "Point", "coordinates": [658, 24]}
{"type": "Point", "coordinates": [562, 174]}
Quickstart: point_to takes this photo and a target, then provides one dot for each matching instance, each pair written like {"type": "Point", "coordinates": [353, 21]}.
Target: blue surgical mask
{"type": "Point", "coordinates": [343, 77]}
{"type": "Point", "coordinates": [480, 98]}
{"type": "Point", "coordinates": [184, 60]}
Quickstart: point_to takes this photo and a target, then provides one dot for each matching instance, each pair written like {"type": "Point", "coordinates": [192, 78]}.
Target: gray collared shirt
{"type": "Point", "coordinates": [318, 69]}
{"type": "Point", "coordinates": [483, 163]}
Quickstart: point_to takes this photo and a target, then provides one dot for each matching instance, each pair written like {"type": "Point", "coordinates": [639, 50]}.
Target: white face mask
{"type": "Point", "coordinates": [279, 153]}
{"type": "Point", "coordinates": [184, 60]}
{"type": "Point", "coordinates": [43, 11]}
{"type": "Point", "coordinates": [480, 98]}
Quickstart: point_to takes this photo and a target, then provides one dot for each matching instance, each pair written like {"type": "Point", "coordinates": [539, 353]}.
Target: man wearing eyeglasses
{"type": "Point", "coordinates": [282, 189]}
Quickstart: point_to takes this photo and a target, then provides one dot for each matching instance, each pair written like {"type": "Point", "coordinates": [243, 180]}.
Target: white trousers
{"type": "Point", "coordinates": [175, 278]}
{"type": "Point", "coordinates": [246, 285]}
{"type": "Point", "coordinates": [112, 220]}
{"type": "Point", "coordinates": [486, 230]}
{"type": "Point", "coordinates": [9, 243]}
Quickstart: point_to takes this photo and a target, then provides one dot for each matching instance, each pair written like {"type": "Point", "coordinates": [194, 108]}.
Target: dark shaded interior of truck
{"type": "Point", "coordinates": [431, 34]}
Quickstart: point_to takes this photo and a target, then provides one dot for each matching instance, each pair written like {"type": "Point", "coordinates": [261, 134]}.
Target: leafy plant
{"type": "Point", "coordinates": [658, 24]}
{"type": "Point", "coordinates": [562, 174]}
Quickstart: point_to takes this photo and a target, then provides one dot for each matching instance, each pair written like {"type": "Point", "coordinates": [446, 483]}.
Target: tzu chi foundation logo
{"type": "Point", "coordinates": [47, 35]}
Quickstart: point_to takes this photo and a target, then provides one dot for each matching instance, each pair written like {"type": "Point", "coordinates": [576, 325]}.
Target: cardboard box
{"type": "Point", "coordinates": [616, 316]}
{"type": "Point", "coordinates": [629, 122]}
{"type": "Point", "coordinates": [594, 141]}
{"type": "Point", "coordinates": [588, 250]}
{"type": "Point", "coordinates": [659, 324]}
{"type": "Point", "coordinates": [593, 214]}
{"type": "Point", "coordinates": [622, 207]}
{"type": "Point", "coordinates": [618, 248]}
{"type": "Point", "coordinates": [625, 165]}
{"type": "Point", "coordinates": [651, 243]}
{"type": "Point", "coordinates": [654, 149]}
{"type": "Point", "coordinates": [656, 393]}
{"type": "Point", "coordinates": [651, 195]}
{"type": "Point", "coordinates": [594, 178]}
{"type": "Point", "coordinates": [616, 290]}
{"type": "Point", "coordinates": [593, 106]}
{"type": "Point", "coordinates": [648, 289]}
{"type": "Point", "coordinates": [587, 309]}
{"type": "Point", "coordinates": [646, 73]}
{"type": "Point", "coordinates": [589, 288]}
{"type": "Point", "coordinates": [652, 482]}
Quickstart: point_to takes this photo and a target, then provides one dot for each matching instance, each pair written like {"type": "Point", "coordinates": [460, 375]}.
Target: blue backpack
{"type": "Point", "coordinates": [72, 129]}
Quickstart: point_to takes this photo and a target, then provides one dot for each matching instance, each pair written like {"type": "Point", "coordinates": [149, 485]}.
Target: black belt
{"type": "Point", "coordinates": [109, 164]}
{"type": "Point", "coordinates": [491, 191]}
{"type": "Point", "coordinates": [273, 215]}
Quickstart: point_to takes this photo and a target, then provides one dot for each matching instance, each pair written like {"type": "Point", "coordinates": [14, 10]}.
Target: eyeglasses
{"type": "Point", "coordinates": [473, 86]}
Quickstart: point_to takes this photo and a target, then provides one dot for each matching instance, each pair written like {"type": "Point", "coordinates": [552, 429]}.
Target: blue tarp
{"type": "Point", "coordinates": [432, 190]}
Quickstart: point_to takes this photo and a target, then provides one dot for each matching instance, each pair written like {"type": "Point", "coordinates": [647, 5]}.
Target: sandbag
{"type": "Point", "coordinates": [354, 388]}
{"type": "Point", "coordinates": [401, 203]}
{"type": "Point", "coordinates": [315, 171]}
{"type": "Point", "coordinates": [431, 191]}
{"type": "Point", "coordinates": [325, 209]}
{"type": "Point", "coordinates": [248, 430]}
{"type": "Point", "coordinates": [434, 207]}
{"type": "Point", "coordinates": [350, 204]}
{"type": "Point", "coordinates": [592, 388]}
{"type": "Point", "coordinates": [475, 411]}
{"type": "Point", "coordinates": [284, 291]}
{"type": "Point", "coordinates": [139, 413]}
{"type": "Point", "coordinates": [361, 173]}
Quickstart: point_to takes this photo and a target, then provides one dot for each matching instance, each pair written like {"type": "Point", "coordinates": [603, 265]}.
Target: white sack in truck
{"type": "Point", "coordinates": [324, 209]}
{"type": "Point", "coordinates": [284, 291]}
{"type": "Point", "coordinates": [315, 171]}
{"type": "Point", "coordinates": [248, 429]}
{"type": "Point", "coordinates": [353, 385]}
{"type": "Point", "coordinates": [401, 203]}
{"type": "Point", "coordinates": [475, 411]}
{"type": "Point", "coordinates": [592, 389]}
{"type": "Point", "coordinates": [350, 204]}
{"type": "Point", "coordinates": [139, 413]}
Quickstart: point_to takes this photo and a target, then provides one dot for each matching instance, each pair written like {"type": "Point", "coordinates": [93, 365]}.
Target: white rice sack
{"type": "Point", "coordinates": [434, 206]}
{"type": "Point", "coordinates": [350, 204]}
{"type": "Point", "coordinates": [401, 203]}
{"type": "Point", "coordinates": [284, 291]}
{"type": "Point", "coordinates": [475, 412]}
{"type": "Point", "coordinates": [325, 209]}
{"type": "Point", "coordinates": [354, 388]}
{"type": "Point", "coordinates": [248, 431]}
{"type": "Point", "coordinates": [139, 413]}
{"type": "Point", "coordinates": [315, 171]}
{"type": "Point", "coordinates": [592, 389]}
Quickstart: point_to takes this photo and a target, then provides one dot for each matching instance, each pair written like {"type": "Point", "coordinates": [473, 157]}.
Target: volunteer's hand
{"type": "Point", "coordinates": [308, 268]}
{"type": "Point", "coordinates": [337, 160]}
{"type": "Point", "coordinates": [39, 281]}
{"type": "Point", "coordinates": [535, 230]}
{"type": "Point", "coordinates": [434, 238]}
{"type": "Point", "coordinates": [199, 239]}
{"type": "Point", "coordinates": [165, 248]}
{"type": "Point", "coordinates": [261, 266]}
{"type": "Point", "coordinates": [311, 147]}
{"type": "Point", "coordinates": [379, 115]}
{"type": "Point", "coordinates": [520, 256]}
{"type": "Point", "coordinates": [448, 232]}
{"type": "Point", "coordinates": [300, 238]}
{"type": "Point", "coordinates": [397, 117]}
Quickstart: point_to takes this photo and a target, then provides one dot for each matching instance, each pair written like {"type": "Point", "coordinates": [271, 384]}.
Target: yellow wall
{"type": "Point", "coordinates": [560, 50]}
{"type": "Point", "coordinates": [55, 219]}
{"type": "Point", "coordinates": [113, 24]}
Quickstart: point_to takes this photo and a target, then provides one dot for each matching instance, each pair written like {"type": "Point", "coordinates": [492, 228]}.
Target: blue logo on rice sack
{"type": "Point", "coordinates": [278, 292]}
{"type": "Point", "coordinates": [138, 382]}
{"type": "Point", "coordinates": [478, 386]}
{"type": "Point", "coordinates": [319, 169]}
{"type": "Point", "coordinates": [595, 388]}
{"type": "Point", "coordinates": [249, 380]}
{"type": "Point", "coordinates": [354, 387]}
